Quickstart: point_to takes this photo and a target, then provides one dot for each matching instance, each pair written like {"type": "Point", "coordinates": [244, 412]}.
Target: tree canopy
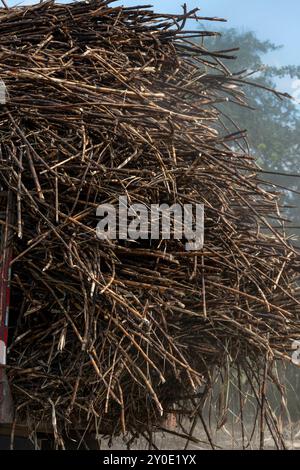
{"type": "Point", "coordinates": [274, 126]}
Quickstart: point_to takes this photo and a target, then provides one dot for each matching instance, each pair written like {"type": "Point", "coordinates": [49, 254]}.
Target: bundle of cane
{"type": "Point", "coordinates": [108, 102]}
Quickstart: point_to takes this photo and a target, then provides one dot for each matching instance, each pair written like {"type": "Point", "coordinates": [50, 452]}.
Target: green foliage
{"type": "Point", "coordinates": [274, 124]}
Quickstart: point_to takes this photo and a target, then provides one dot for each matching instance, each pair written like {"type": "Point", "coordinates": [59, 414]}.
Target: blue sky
{"type": "Point", "coordinates": [276, 20]}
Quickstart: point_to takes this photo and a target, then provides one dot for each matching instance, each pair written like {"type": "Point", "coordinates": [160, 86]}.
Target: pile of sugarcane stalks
{"type": "Point", "coordinates": [109, 335]}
